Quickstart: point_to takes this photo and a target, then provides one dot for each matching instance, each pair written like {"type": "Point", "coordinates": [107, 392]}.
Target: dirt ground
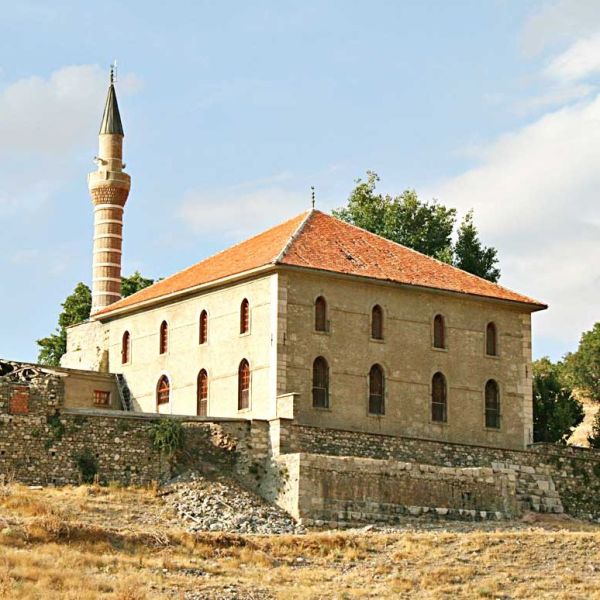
{"type": "Point", "coordinates": [91, 542]}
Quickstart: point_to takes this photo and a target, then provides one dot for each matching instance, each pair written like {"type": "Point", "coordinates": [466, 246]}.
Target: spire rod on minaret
{"type": "Point", "coordinates": [111, 119]}
{"type": "Point", "coordinates": [312, 195]}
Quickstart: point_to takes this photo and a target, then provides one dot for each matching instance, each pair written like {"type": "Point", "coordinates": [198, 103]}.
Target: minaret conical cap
{"type": "Point", "coordinates": [111, 120]}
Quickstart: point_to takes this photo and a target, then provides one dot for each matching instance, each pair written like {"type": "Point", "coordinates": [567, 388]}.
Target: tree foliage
{"type": "Point", "coordinates": [76, 309]}
{"type": "Point", "coordinates": [583, 366]}
{"type": "Point", "coordinates": [556, 412]}
{"type": "Point", "coordinates": [424, 226]}
{"type": "Point", "coordinates": [470, 255]}
{"type": "Point", "coordinates": [594, 438]}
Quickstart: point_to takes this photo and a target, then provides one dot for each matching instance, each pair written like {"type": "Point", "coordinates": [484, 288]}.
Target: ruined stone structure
{"type": "Point", "coordinates": [343, 376]}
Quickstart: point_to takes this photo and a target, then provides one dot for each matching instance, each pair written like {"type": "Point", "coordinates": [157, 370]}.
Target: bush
{"type": "Point", "coordinates": [57, 428]}
{"type": "Point", "coordinates": [87, 465]}
{"type": "Point", "coordinates": [167, 436]}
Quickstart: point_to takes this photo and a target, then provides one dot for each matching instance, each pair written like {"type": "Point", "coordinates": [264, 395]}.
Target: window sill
{"type": "Point", "coordinates": [319, 332]}
{"type": "Point", "coordinates": [377, 340]}
{"type": "Point", "coordinates": [493, 429]}
{"type": "Point", "coordinates": [375, 415]}
{"type": "Point", "coordinates": [322, 408]}
{"type": "Point", "coordinates": [242, 411]}
{"type": "Point", "coordinates": [439, 423]}
{"type": "Point", "coordinates": [245, 334]}
{"type": "Point", "coordinates": [492, 356]}
{"type": "Point", "coordinates": [435, 349]}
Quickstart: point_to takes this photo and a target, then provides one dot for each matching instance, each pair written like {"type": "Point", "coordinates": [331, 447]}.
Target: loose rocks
{"type": "Point", "coordinates": [222, 505]}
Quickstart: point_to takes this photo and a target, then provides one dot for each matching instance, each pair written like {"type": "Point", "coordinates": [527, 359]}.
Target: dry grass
{"type": "Point", "coordinates": [87, 542]}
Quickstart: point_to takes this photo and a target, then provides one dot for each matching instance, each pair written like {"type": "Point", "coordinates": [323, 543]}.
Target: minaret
{"type": "Point", "coordinates": [109, 188]}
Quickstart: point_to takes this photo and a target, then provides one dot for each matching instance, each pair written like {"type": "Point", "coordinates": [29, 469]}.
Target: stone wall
{"type": "Point", "coordinates": [574, 471]}
{"type": "Point", "coordinates": [41, 442]}
{"type": "Point", "coordinates": [337, 490]}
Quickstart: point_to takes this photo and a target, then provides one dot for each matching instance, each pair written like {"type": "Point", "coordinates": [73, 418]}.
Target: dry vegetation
{"type": "Point", "coordinates": [89, 542]}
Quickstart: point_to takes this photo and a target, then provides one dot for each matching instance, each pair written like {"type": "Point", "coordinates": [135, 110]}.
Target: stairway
{"type": "Point", "coordinates": [124, 392]}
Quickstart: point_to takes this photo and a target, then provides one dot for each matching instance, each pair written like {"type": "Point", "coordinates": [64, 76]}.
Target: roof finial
{"type": "Point", "coordinates": [312, 188]}
{"type": "Point", "coordinates": [113, 72]}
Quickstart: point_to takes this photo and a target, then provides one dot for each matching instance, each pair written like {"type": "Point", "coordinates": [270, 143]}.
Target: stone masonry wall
{"type": "Point", "coordinates": [42, 443]}
{"type": "Point", "coordinates": [338, 490]}
{"type": "Point", "coordinates": [574, 471]}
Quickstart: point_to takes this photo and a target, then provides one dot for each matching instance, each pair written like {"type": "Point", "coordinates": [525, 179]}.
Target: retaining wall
{"type": "Point", "coordinates": [574, 471]}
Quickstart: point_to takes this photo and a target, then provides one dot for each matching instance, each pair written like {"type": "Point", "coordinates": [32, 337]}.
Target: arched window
{"type": "Point", "coordinates": [439, 332]}
{"type": "Point", "coordinates": [492, 405]}
{"type": "Point", "coordinates": [320, 314]}
{"type": "Point", "coordinates": [245, 316]}
{"type": "Point", "coordinates": [376, 390]}
{"type": "Point", "coordinates": [163, 345]}
{"type": "Point", "coordinates": [203, 336]}
{"type": "Point", "coordinates": [491, 346]}
{"type": "Point", "coordinates": [202, 391]}
{"type": "Point", "coordinates": [377, 322]}
{"type": "Point", "coordinates": [244, 385]}
{"type": "Point", "coordinates": [163, 391]}
{"type": "Point", "coordinates": [125, 348]}
{"type": "Point", "coordinates": [320, 383]}
{"type": "Point", "coordinates": [439, 398]}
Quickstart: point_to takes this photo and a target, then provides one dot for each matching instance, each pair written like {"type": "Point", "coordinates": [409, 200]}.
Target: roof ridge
{"type": "Point", "coordinates": [294, 236]}
{"type": "Point", "coordinates": [437, 260]}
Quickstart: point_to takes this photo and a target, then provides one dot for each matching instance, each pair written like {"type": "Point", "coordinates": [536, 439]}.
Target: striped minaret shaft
{"type": "Point", "coordinates": [109, 188]}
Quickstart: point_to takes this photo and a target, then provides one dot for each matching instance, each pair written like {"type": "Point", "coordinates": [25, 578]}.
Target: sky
{"type": "Point", "coordinates": [232, 110]}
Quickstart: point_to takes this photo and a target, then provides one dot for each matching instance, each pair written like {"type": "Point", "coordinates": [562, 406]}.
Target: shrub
{"type": "Point", "coordinates": [167, 436]}
{"type": "Point", "coordinates": [87, 465]}
{"type": "Point", "coordinates": [57, 428]}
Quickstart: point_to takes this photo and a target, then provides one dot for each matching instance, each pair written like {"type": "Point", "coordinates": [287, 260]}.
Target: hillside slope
{"type": "Point", "coordinates": [127, 544]}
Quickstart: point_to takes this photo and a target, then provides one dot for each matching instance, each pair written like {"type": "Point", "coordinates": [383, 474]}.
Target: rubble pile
{"type": "Point", "coordinates": [221, 504]}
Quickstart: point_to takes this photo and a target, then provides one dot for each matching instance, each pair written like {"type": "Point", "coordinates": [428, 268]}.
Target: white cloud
{"type": "Point", "coordinates": [554, 97]}
{"type": "Point", "coordinates": [53, 115]}
{"type": "Point", "coordinates": [558, 22]}
{"type": "Point", "coordinates": [579, 61]}
{"type": "Point", "coordinates": [237, 213]}
{"type": "Point", "coordinates": [43, 122]}
{"type": "Point", "coordinates": [535, 195]}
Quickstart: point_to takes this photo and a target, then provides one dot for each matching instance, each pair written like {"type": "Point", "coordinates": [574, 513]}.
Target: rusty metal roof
{"type": "Point", "coordinates": [111, 120]}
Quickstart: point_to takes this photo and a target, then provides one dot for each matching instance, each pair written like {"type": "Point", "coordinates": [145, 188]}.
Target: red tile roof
{"type": "Point", "coordinates": [318, 241]}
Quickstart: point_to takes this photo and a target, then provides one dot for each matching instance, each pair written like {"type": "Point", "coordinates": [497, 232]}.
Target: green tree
{"type": "Point", "coordinates": [594, 439]}
{"type": "Point", "coordinates": [134, 283]}
{"type": "Point", "coordinates": [470, 255]}
{"type": "Point", "coordinates": [556, 412]}
{"type": "Point", "coordinates": [76, 309]}
{"type": "Point", "coordinates": [423, 226]}
{"type": "Point", "coordinates": [583, 366]}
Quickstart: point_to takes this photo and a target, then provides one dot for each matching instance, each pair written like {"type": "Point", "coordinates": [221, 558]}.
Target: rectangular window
{"type": "Point", "coordinates": [101, 398]}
